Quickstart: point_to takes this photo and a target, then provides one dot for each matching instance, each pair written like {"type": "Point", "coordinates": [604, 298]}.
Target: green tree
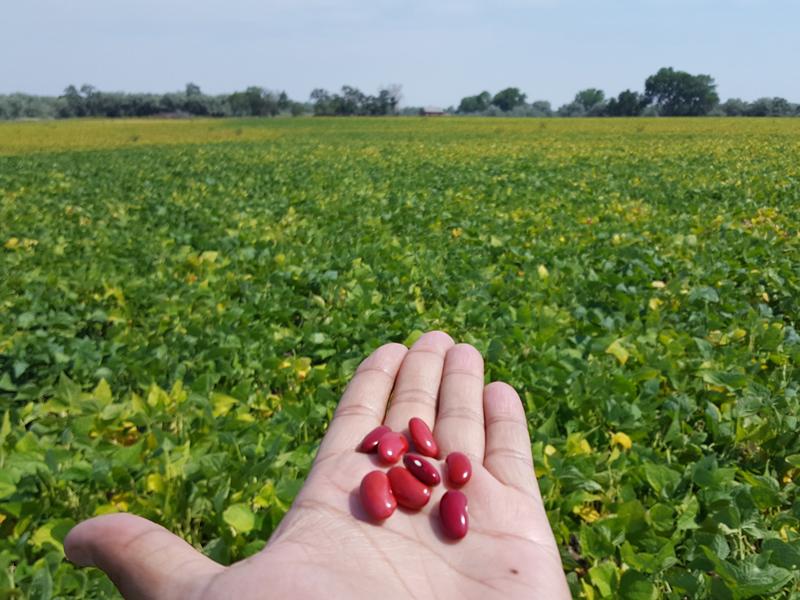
{"type": "Point", "coordinates": [478, 103]}
{"type": "Point", "coordinates": [680, 94]}
{"type": "Point", "coordinates": [192, 89]}
{"type": "Point", "coordinates": [508, 99]}
{"type": "Point", "coordinates": [283, 101]}
{"type": "Point", "coordinates": [628, 104]}
{"type": "Point", "coordinates": [590, 98]}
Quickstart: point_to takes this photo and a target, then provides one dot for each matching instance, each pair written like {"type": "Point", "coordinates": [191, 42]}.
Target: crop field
{"type": "Point", "coordinates": [182, 304]}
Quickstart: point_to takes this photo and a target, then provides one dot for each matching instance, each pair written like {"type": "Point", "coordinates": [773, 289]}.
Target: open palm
{"type": "Point", "coordinates": [327, 546]}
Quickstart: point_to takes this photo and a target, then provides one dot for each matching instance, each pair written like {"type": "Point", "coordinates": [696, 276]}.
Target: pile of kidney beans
{"type": "Point", "coordinates": [411, 486]}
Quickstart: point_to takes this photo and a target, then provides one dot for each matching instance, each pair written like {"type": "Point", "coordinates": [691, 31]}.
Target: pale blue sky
{"type": "Point", "coordinates": [438, 51]}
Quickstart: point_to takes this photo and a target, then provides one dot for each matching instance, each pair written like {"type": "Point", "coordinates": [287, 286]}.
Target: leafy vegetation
{"type": "Point", "coordinates": [177, 322]}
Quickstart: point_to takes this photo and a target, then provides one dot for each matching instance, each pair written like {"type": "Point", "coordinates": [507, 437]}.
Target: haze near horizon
{"type": "Point", "coordinates": [439, 52]}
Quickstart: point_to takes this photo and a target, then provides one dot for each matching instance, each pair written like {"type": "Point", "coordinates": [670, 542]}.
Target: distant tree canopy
{"type": "Point", "coordinates": [679, 94]}
{"type": "Point", "coordinates": [508, 99]}
{"type": "Point", "coordinates": [667, 93]}
{"type": "Point", "coordinates": [254, 102]}
{"type": "Point", "coordinates": [590, 98]}
{"type": "Point", "coordinates": [763, 107]}
{"type": "Point", "coordinates": [353, 102]}
{"type": "Point", "coordinates": [472, 104]}
{"type": "Point", "coordinates": [88, 101]}
{"type": "Point", "coordinates": [628, 104]}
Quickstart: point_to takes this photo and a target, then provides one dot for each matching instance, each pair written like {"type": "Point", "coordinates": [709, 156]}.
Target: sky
{"type": "Point", "coordinates": [439, 51]}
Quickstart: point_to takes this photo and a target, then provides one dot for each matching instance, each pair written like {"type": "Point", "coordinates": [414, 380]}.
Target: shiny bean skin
{"type": "Point", "coordinates": [422, 469]}
{"type": "Point", "coordinates": [376, 495]}
{"type": "Point", "coordinates": [392, 446]}
{"type": "Point", "coordinates": [459, 469]}
{"type": "Point", "coordinates": [370, 443]}
{"type": "Point", "coordinates": [407, 489]}
{"type": "Point", "coordinates": [422, 437]}
{"type": "Point", "coordinates": [453, 514]}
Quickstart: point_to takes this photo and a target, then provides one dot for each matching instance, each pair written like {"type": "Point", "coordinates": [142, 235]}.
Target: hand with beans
{"type": "Point", "coordinates": [327, 545]}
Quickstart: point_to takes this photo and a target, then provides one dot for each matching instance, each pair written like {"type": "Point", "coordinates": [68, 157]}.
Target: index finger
{"type": "Point", "coordinates": [363, 404]}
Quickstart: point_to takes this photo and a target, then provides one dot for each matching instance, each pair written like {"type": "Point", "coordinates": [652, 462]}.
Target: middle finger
{"type": "Point", "coordinates": [417, 387]}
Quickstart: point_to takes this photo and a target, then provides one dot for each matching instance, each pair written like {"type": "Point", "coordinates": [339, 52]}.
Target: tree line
{"type": "Point", "coordinates": [666, 93]}
{"type": "Point", "coordinates": [255, 101]}
{"type": "Point", "coordinates": [88, 101]}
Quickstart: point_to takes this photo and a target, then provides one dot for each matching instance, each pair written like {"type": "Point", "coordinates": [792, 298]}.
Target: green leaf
{"type": "Point", "coordinates": [635, 586]}
{"type": "Point", "coordinates": [8, 483]}
{"type": "Point", "coordinates": [287, 489]}
{"type": "Point", "coordinates": [412, 338]}
{"type": "Point", "coordinates": [604, 577]}
{"type": "Point", "coordinates": [753, 576]}
{"type": "Point", "coordinates": [53, 533]}
{"type": "Point", "coordinates": [240, 517]}
{"type": "Point", "coordinates": [688, 516]}
{"type": "Point", "coordinates": [782, 555]}
{"type": "Point", "coordinates": [495, 351]}
{"type": "Point", "coordinates": [704, 293]}
{"type": "Point", "coordinates": [67, 390]}
{"type": "Point", "coordinates": [41, 584]}
{"type": "Point", "coordinates": [6, 384]}
{"type": "Point", "coordinates": [730, 381]}
{"type": "Point", "coordinates": [660, 477]}
{"type": "Point", "coordinates": [5, 429]}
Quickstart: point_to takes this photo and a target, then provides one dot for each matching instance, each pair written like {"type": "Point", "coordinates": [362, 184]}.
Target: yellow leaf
{"type": "Point", "coordinates": [222, 403]}
{"type": "Point", "coordinates": [577, 445]}
{"type": "Point", "coordinates": [659, 284]}
{"type": "Point", "coordinates": [302, 366]}
{"type": "Point", "coordinates": [622, 439]}
{"type": "Point", "coordinates": [655, 303]}
{"type": "Point", "coordinates": [765, 296]}
{"type": "Point", "coordinates": [209, 256]}
{"type": "Point", "coordinates": [588, 590]}
{"type": "Point", "coordinates": [155, 483]}
{"type": "Point", "coordinates": [617, 350]}
{"type": "Point", "coordinates": [587, 513]}
{"type": "Point", "coordinates": [107, 509]}
{"type": "Point", "coordinates": [543, 272]}
{"type": "Point", "coordinates": [549, 450]}
{"type": "Point", "coordinates": [12, 243]}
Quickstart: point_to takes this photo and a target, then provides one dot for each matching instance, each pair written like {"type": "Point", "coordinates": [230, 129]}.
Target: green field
{"type": "Point", "coordinates": [182, 303]}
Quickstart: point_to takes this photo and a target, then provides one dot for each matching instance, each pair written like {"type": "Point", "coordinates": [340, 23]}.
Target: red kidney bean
{"type": "Point", "coordinates": [422, 437]}
{"type": "Point", "coordinates": [370, 443]}
{"type": "Point", "coordinates": [392, 446]}
{"type": "Point", "coordinates": [376, 495]}
{"type": "Point", "coordinates": [407, 489]}
{"type": "Point", "coordinates": [422, 469]}
{"type": "Point", "coordinates": [453, 514]}
{"type": "Point", "coordinates": [459, 469]}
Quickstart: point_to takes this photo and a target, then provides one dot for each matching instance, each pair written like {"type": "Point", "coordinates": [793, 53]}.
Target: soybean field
{"type": "Point", "coordinates": [182, 304]}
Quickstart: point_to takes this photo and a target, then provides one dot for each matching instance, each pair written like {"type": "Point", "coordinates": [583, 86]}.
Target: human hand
{"type": "Point", "coordinates": [327, 546]}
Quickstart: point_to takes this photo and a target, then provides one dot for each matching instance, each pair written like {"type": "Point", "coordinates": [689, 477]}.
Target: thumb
{"type": "Point", "coordinates": [144, 560]}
